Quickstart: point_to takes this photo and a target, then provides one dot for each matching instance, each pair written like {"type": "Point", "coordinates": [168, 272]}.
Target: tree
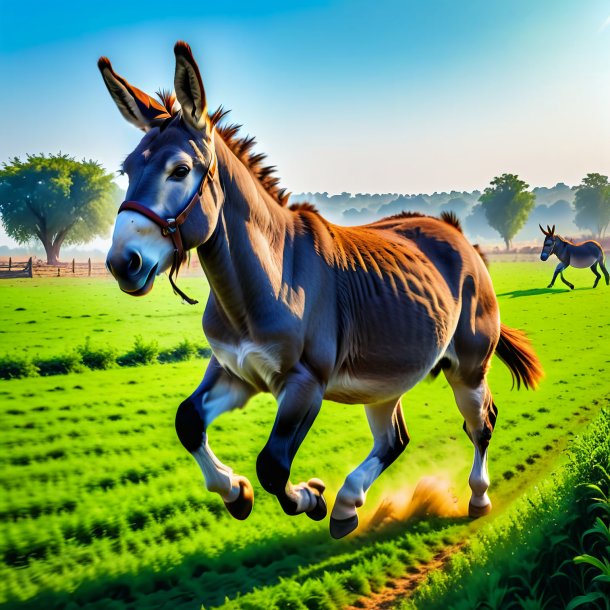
{"type": "Point", "coordinates": [57, 200]}
{"type": "Point", "coordinates": [592, 204]}
{"type": "Point", "coordinates": [507, 204]}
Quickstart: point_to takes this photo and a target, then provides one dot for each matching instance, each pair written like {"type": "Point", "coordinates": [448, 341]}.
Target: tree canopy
{"type": "Point", "coordinates": [507, 205]}
{"type": "Point", "coordinates": [56, 199]}
{"type": "Point", "coordinates": [592, 204]}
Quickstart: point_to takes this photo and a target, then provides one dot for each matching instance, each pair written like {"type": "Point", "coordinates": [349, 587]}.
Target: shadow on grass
{"type": "Point", "coordinates": [210, 580]}
{"type": "Point", "coordinates": [532, 292]}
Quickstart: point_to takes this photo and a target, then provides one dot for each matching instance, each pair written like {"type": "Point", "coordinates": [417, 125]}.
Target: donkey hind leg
{"type": "Point", "coordinates": [299, 403]}
{"type": "Point", "coordinates": [596, 273]}
{"type": "Point", "coordinates": [479, 412]}
{"type": "Point", "coordinates": [390, 438]}
{"type": "Point", "coordinates": [602, 266]}
{"type": "Point", "coordinates": [219, 392]}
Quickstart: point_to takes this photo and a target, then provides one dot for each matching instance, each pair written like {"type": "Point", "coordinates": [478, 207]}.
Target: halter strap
{"type": "Point", "coordinates": [170, 227]}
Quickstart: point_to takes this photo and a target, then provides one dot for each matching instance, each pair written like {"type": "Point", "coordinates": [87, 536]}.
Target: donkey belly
{"type": "Point", "coordinates": [582, 261]}
{"type": "Point", "coordinates": [363, 388]}
{"type": "Point", "coordinates": [389, 370]}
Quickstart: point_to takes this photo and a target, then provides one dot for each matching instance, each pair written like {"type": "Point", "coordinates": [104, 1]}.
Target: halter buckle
{"type": "Point", "coordinates": [171, 227]}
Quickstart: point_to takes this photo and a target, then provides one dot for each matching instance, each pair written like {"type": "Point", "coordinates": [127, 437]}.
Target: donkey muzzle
{"type": "Point", "coordinates": [134, 273]}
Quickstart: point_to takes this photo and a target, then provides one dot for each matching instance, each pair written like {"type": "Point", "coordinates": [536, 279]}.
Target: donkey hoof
{"type": "Point", "coordinates": [242, 507]}
{"type": "Point", "coordinates": [317, 484]}
{"type": "Point", "coordinates": [342, 527]}
{"type": "Point", "coordinates": [474, 512]}
{"type": "Point", "coordinates": [319, 512]}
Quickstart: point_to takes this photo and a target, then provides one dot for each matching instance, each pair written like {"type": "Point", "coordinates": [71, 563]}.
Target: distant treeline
{"type": "Point", "coordinates": [553, 206]}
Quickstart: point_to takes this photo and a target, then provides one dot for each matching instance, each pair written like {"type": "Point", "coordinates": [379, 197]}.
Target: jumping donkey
{"type": "Point", "coordinates": [300, 307]}
{"type": "Point", "coordinates": [582, 255]}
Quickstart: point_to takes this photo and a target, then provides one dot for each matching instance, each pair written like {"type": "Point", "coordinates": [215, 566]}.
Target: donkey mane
{"type": "Point", "coordinates": [240, 146]}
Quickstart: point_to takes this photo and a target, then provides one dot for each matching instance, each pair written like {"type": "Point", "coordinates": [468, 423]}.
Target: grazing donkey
{"type": "Point", "coordinates": [300, 307]}
{"type": "Point", "coordinates": [582, 255]}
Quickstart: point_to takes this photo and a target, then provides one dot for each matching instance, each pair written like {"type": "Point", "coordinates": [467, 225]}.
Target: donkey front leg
{"type": "Point", "coordinates": [560, 267]}
{"type": "Point", "coordinates": [390, 438]}
{"type": "Point", "coordinates": [299, 402]}
{"type": "Point", "coordinates": [217, 393]}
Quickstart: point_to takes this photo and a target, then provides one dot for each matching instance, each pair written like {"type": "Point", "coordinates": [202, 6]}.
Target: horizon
{"type": "Point", "coordinates": [434, 98]}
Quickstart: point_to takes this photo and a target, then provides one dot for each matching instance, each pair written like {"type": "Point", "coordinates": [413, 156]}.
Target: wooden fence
{"type": "Point", "coordinates": [71, 269]}
{"type": "Point", "coordinates": [14, 269]}
{"type": "Point", "coordinates": [39, 268]}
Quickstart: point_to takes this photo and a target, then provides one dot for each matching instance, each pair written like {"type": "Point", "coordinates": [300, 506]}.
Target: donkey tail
{"type": "Point", "coordinates": [517, 353]}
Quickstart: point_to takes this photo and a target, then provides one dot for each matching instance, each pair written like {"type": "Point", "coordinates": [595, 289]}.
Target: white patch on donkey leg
{"type": "Point", "coordinates": [352, 495]}
{"type": "Point", "coordinates": [218, 477]}
{"type": "Point", "coordinates": [304, 497]}
{"type": "Point", "coordinates": [479, 480]}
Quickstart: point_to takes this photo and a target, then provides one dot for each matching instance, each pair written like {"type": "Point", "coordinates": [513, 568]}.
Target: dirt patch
{"type": "Point", "coordinates": [401, 588]}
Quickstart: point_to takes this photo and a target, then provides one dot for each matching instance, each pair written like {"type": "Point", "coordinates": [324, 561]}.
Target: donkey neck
{"type": "Point", "coordinates": [244, 258]}
{"type": "Point", "coordinates": [562, 249]}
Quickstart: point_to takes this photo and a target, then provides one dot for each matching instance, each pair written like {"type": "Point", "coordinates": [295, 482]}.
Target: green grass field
{"type": "Point", "coordinates": [102, 507]}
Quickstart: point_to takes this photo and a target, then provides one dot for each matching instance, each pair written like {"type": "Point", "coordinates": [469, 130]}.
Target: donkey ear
{"type": "Point", "coordinates": [542, 229]}
{"type": "Point", "coordinates": [189, 87]}
{"type": "Point", "coordinates": [136, 106]}
{"type": "Point", "coordinates": [553, 230]}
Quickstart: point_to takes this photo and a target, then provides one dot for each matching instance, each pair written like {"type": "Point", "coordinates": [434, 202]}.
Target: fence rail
{"type": "Point", "coordinates": [16, 269]}
{"type": "Point", "coordinates": [38, 268]}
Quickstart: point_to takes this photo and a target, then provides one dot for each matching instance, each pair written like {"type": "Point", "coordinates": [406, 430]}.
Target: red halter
{"type": "Point", "coordinates": [170, 227]}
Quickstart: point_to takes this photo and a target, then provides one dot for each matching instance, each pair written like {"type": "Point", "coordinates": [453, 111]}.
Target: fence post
{"type": "Point", "coordinates": [58, 272]}
{"type": "Point", "coordinates": [10, 262]}
{"type": "Point", "coordinates": [89, 267]}
{"type": "Point", "coordinates": [29, 268]}
{"type": "Point", "coordinates": [72, 265]}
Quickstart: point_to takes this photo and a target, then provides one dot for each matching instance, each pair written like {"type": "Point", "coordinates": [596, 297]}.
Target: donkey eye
{"type": "Point", "coordinates": [180, 172]}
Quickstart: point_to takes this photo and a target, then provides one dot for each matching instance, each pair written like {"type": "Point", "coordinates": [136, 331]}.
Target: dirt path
{"type": "Point", "coordinates": [401, 588]}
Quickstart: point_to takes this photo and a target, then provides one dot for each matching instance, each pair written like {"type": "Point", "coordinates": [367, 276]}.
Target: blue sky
{"type": "Point", "coordinates": [343, 96]}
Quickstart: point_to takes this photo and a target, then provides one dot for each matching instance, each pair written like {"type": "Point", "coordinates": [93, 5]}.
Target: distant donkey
{"type": "Point", "coordinates": [586, 254]}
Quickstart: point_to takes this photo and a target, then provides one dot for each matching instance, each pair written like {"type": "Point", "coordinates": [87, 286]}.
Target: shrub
{"type": "Point", "coordinates": [14, 367]}
{"type": "Point", "coordinates": [184, 351]}
{"type": "Point", "coordinates": [59, 365]}
{"type": "Point", "coordinates": [97, 358]}
{"type": "Point", "coordinates": [204, 352]}
{"type": "Point", "coordinates": [142, 353]}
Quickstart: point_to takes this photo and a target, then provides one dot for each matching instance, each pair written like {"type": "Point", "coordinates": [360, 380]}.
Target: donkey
{"type": "Point", "coordinates": [585, 254]}
{"type": "Point", "coordinates": [299, 307]}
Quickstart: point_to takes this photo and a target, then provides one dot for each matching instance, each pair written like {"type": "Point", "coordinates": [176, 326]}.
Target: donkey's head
{"type": "Point", "coordinates": [171, 176]}
{"type": "Point", "coordinates": [548, 247]}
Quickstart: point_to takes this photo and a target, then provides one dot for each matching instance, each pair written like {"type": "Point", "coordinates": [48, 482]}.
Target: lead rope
{"type": "Point", "coordinates": [174, 270]}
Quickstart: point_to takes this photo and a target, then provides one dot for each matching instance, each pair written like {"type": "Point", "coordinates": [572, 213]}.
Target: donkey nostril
{"type": "Point", "coordinates": [135, 263]}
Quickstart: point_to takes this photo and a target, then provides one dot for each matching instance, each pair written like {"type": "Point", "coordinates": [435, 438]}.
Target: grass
{"type": "Point", "coordinates": [551, 550]}
{"type": "Point", "coordinates": [102, 507]}
{"type": "Point", "coordinates": [41, 317]}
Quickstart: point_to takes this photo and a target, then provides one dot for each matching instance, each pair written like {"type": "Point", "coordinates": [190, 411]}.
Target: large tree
{"type": "Point", "coordinates": [56, 199]}
{"type": "Point", "coordinates": [507, 204]}
{"type": "Point", "coordinates": [592, 204]}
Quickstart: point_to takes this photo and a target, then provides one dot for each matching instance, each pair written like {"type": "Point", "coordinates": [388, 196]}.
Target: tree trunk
{"type": "Point", "coordinates": [52, 250]}
{"type": "Point", "coordinates": [507, 242]}
{"type": "Point", "coordinates": [48, 248]}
